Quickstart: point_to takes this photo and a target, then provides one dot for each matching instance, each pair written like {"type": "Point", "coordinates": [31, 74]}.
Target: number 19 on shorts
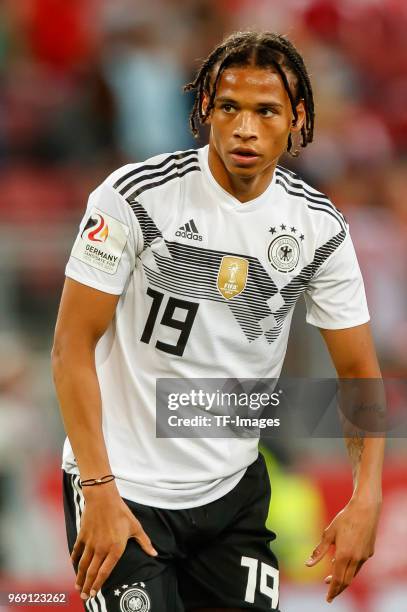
{"type": "Point", "coordinates": [268, 583]}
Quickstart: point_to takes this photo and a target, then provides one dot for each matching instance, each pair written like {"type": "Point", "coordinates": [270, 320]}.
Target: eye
{"type": "Point", "coordinates": [228, 108]}
{"type": "Point", "coordinates": [267, 112]}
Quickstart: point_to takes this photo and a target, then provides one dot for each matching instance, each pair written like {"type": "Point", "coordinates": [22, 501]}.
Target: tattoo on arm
{"type": "Point", "coordinates": [355, 446]}
{"type": "Point", "coordinates": [362, 410]}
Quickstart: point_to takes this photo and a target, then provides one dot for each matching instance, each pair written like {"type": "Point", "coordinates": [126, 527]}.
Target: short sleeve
{"type": "Point", "coordinates": [335, 298]}
{"type": "Point", "coordinates": [104, 253]}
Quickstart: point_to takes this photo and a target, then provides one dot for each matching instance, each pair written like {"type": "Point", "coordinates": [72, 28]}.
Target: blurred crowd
{"type": "Point", "coordinates": [88, 85]}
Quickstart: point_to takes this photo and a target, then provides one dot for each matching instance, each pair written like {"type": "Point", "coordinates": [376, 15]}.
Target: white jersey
{"type": "Point", "coordinates": [207, 289]}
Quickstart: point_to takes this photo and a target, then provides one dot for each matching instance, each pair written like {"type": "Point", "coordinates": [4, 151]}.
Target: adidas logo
{"type": "Point", "coordinates": [189, 230]}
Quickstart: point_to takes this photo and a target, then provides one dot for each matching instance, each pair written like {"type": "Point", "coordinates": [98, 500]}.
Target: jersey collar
{"type": "Point", "coordinates": [224, 198]}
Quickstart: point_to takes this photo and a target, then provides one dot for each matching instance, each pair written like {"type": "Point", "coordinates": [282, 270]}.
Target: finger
{"type": "Point", "coordinates": [337, 584]}
{"type": "Point", "coordinates": [91, 574]}
{"type": "Point", "coordinates": [104, 572]}
{"type": "Point", "coordinates": [84, 563]}
{"type": "Point", "coordinates": [359, 565]}
{"type": "Point", "coordinates": [334, 587]}
{"type": "Point", "coordinates": [77, 550]}
{"type": "Point", "coordinates": [350, 573]}
{"type": "Point", "coordinates": [348, 576]}
{"type": "Point", "coordinates": [339, 587]}
{"type": "Point", "coordinates": [320, 551]}
{"type": "Point", "coordinates": [144, 541]}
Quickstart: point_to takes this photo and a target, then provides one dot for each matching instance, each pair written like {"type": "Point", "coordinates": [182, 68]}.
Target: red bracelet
{"type": "Point", "coordinates": [91, 482]}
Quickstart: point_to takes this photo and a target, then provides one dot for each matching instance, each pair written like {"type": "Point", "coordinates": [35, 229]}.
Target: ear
{"type": "Point", "coordinates": [301, 114]}
{"type": "Point", "coordinates": [205, 102]}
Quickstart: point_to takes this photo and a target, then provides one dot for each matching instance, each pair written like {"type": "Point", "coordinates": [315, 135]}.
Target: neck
{"type": "Point", "coordinates": [243, 188]}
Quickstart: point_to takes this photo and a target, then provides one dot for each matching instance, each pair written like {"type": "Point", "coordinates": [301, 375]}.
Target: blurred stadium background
{"type": "Point", "coordinates": [88, 85]}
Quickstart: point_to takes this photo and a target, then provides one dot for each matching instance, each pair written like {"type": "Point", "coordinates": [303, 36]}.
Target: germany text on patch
{"type": "Point", "coordinates": [101, 242]}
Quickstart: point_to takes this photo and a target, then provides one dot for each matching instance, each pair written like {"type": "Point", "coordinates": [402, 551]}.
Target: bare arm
{"type": "Point", "coordinates": [83, 317]}
{"type": "Point", "coordinates": [354, 356]}
{"type": "Point", "coordinates": [353, 531]}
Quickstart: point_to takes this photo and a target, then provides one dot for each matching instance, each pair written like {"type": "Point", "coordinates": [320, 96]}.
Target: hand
{"type": "Point", "coordinates": [353, 533]}
{"type": "Point", "coordinates": [107, 523]}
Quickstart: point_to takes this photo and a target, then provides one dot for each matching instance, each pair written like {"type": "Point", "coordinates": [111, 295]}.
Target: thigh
{"type": "Point", "coordinates": [238, 570]}
{"type": "Point", "coordinates": [138, 582]}
{"type": "Point", "coordinates": [158, 594]}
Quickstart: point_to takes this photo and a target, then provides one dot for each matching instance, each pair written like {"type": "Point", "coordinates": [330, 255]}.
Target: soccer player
{"type": "Point", "coordinates": [189, 265]}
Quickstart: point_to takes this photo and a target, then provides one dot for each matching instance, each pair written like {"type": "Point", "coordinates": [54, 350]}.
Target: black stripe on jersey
{"type": "Point", "coordinates": [78, 487]}
{"type": "Point", "coordinates": [248, 309]}
{"type": "Point", "coordinates": [89, 605]}
{"type": "Point", "coordinates": [292, 180]}
{"type": "Point", "coordinates": [300, 282]}
{"type": "Point", "coordinates": [329, 213]}
{"type": "Point", "coordinates": [192, 272]}
{"type": "Point", "coordinates": [299, 184]}
{"type": "Point", "coordinates": [246, 315]}
{"type": "Point", "coordinates": [286, 171]}
{"type": "Point", "coordinates": [297, 190]}
{"type": "Point", "coordinates": [207, 258]}
{"type": "Point", "coordinates": [148, 176]}
{"type": "Point", "coordinates": [206, 289]}
{"type": "Point", "coordinates": [148, 228]}
{"type": "Point", "coordinates": [330, 209]}
{"type": "Point", "coordinates": [189, 271]}
{"type": "Point", "coordinates": [292, 291]}
{"type": "Point", "coordinates": [171, 177]}
{"type": "Point", "coordinates": [173, 156]}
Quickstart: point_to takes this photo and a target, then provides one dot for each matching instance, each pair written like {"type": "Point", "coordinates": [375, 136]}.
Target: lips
{"type": "Point", "coordinates": [244, 152]}
{"type": "Point", "coordinates": [244, 156]}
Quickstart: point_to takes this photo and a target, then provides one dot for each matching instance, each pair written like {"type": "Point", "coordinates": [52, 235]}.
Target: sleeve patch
{"type": "Point", "coordinates": [101, 242]}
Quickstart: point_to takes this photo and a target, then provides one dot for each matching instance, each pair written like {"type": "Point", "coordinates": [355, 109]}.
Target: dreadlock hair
{"type": "Point", "coordinates": [262, 49]}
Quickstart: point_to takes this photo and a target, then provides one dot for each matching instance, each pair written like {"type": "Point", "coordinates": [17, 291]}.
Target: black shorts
{"type": "Point", "coordinates": [213, 556]}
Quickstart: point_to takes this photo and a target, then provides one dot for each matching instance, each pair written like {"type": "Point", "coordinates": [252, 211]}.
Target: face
{"type": "Point", "coordinates": [251, 121]}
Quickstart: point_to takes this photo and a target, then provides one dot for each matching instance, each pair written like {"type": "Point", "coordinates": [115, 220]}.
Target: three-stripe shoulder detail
{"type": "Point", "coordinates": [315, 199]}
{"type": "Point", "coordinates": [148, 176]}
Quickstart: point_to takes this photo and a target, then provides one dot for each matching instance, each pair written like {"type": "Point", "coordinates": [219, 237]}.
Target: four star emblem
{"type": "Point", "coordinates": [118, 592]}
{"type": "Point", "coordinates": [283, 228]}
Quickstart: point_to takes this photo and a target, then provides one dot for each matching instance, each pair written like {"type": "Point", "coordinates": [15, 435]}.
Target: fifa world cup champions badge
{"type": "Point", "coordinates": [232, 276]}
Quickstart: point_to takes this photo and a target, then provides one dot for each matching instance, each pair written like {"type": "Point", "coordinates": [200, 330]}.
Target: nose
{"type": "Point", "coordinates": [245, 126]}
